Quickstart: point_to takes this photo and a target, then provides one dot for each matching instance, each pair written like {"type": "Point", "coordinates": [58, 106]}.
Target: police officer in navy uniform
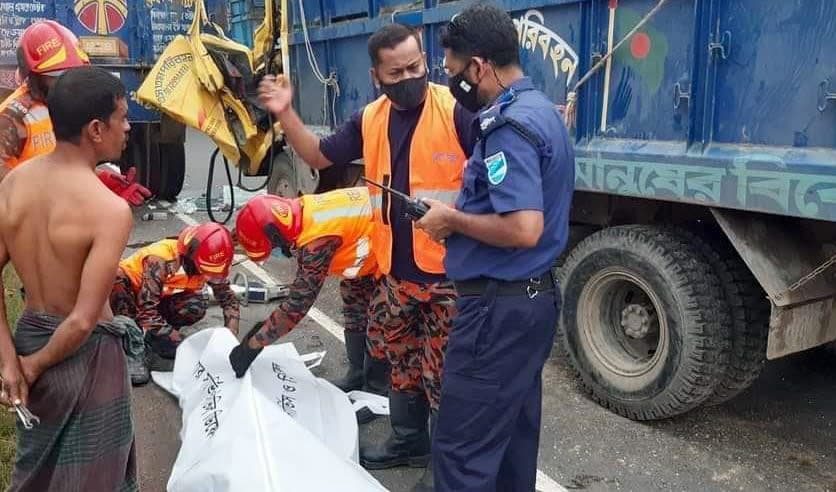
{"type": "Point", "coordinates": [508, 226]}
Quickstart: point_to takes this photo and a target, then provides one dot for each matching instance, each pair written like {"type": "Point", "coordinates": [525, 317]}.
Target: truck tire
{"type": "Point", "coordinates": [283, 181]}
{"type": "Point", "coordinates": [748, 310]}
{"type": "Point", "coordinates": [161, 167]}
{"type": "Point", "coordinates": [644, 324]}
{"type": "Point", "coordinates": [172, 170]}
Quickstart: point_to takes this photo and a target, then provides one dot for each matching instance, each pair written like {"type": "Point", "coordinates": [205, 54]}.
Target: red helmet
{"type": "Point", "coordinates": [48, 48]}
{"type": "Point", "coordinates": [209, 246]}
{"type": "Point", "coordinates": [268, 222]}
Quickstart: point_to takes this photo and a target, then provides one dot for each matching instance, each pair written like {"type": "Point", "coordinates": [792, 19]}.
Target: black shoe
{"type": "Point", "coordinates": [409, 441]}
{"type": "Point", "coordinates": [425, 484]}
{"type": "Point", "coordinates": [355, 349]}
{"type": "Point", "coordinates": [157, 362]}
{"type": "Point", "coordinates": [138, 370]}
{"type": "Point", "coordinates": [377, 374]}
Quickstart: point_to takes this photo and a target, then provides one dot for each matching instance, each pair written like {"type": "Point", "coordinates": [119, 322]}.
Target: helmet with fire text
{"type": "Point", "coordinates": [209, 247]}
{"type": "Point", "coordinates": [48, 48]}
{"type": "Point", "coordinates": [267, 222]}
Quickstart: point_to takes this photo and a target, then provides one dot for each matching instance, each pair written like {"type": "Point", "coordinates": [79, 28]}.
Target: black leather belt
{"type": "Point", "coordinates": [530, 287]}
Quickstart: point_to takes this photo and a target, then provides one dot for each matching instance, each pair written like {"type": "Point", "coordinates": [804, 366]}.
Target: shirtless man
{"type": "Point", "coordinates": [67, 362]}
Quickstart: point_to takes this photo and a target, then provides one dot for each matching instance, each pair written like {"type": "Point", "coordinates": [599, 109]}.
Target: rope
{"type": "Point", "coordinates": [330, 81]}
{"type": "Point", "coordinates": [572, 97]}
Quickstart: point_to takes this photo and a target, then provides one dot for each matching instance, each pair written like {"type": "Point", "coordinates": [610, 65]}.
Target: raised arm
{"type": "Point", "coordinates": [276, 95]}
{"type": "Point", "coordinates": [109, 240]}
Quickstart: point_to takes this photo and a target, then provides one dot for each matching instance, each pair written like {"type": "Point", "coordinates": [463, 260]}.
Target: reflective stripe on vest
{"type": "Point", "coordinates": [347, 214]}
{"type": "Point", "coordinates": [40, 140]}
{"type": "Point", "coordinates": [167, 250]}
{"type": "Point", "coordinates": [435, 171]}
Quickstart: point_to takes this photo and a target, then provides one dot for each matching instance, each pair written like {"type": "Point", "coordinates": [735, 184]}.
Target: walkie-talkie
{"type": "Point", "coordinates": [414, 208]}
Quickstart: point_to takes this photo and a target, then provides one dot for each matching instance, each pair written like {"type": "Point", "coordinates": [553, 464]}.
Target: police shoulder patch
{"type": "Point", "coordinates": [497, 166]}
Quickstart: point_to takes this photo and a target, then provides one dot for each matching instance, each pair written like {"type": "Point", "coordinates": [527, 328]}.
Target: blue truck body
{"type": "Point", "coordinates": [715, 102]}
{"type": "Point", "coordinates": [720, 118]}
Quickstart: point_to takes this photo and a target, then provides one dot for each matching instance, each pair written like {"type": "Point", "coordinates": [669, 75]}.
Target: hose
{"type": "Point", "coordinates": [209, 181]}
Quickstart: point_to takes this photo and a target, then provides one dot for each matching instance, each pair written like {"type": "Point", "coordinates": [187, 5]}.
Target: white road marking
{"type": "Point", "coordinates": [186, 219]}
{"type": "Point", "coordinates": [544, 482]}
{"type": "Point", "coordinates": [326, 322]}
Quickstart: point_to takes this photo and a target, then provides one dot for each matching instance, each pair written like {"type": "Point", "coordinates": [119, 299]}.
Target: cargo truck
{"type": "Point", "coordinates": [703, 230]}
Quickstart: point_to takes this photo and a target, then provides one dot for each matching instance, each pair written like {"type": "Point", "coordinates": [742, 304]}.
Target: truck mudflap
{"type": "Point", "coordinates": [796, 328]}
{"type": "Point", "coordinates": [794, 271]}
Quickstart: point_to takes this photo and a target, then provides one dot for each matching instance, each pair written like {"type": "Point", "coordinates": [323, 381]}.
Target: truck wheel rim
{"type": "Point", "coordinates": [622, 324]}
{"type": "Point", "coordinates": [283, 188]}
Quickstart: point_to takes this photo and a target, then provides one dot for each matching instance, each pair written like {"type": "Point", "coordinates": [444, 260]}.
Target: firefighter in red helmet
{"type": "Point", "coordinates": [161, 287]}
{"type": "Point", "coordinates": [45, 51]}
{"type": "Point", "coordinates": [329, 234]}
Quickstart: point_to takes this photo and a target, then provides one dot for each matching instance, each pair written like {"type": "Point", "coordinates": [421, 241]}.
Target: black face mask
{"type": "Point", "coordinates": [407, 93]}
{"type": "Point", "coordinates": [465, 92]}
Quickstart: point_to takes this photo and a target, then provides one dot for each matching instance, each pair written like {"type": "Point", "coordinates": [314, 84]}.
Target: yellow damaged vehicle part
{"type": "Point", "coordinates": [209, 82]}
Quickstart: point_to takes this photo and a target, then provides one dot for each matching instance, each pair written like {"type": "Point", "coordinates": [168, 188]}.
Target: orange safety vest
{"type": "Point", "coordinates": [347, 214]}
{"type": "Point", "coordinates": [40, 140]}
{"type": "Point", "coordinates": [167, 250]}
{"type": "Point", "coordinates": [436, 163]}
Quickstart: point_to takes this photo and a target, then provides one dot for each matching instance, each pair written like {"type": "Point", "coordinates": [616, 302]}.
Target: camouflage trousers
{"type": "Point", "coordinates": [409, 325]}
{"type": "Point", "coordinates": [177, 310]}
{"type": "Point", "coordinates": [357, 294]}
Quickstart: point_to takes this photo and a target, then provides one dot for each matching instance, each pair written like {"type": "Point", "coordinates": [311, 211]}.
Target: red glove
{"type": "Point", "coordinates": [124, 186]}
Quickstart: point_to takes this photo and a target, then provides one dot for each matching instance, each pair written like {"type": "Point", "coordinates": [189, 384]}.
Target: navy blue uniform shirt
{"type": "Point", "coordinates": [508, 172]}
{"type": "Point", "coordinates": [346, 145]}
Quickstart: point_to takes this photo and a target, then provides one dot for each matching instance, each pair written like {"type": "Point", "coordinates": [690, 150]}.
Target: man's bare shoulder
{"type": "Point", "coordinates": [111, 207]}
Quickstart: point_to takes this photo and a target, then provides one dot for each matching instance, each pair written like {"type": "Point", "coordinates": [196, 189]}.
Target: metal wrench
{"type": "Point", "coordinates": [27, 418]}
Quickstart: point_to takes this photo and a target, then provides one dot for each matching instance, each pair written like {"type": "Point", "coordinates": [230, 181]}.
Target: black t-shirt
{"type": "Point", "coordinates": [346, 145]}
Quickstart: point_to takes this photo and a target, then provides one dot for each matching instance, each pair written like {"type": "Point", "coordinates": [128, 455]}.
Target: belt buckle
{"type": "Point", "coordinates": [531, 288]}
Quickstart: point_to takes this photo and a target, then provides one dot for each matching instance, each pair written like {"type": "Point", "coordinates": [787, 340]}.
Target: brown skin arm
{"type": "Point", "coordinates": [276, 94]}
{"type": "Point", "coordinates": [14, 385]}
{"type": "Point", "coordinates": [109, 240]}
{"type": "Point", "coordinates": [521, 229]}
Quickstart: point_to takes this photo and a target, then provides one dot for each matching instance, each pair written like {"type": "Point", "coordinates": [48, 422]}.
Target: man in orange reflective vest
{"type": "Point", "coordinates": [329, 234]}
{"type": "Point", "coordinates": [45, 51]}
{"type": "Point", "coordinates": [414, 138]}
{"type": "Point", "coordinates": [161, 286]}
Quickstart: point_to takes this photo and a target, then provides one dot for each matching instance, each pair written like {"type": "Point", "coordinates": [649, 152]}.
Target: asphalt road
{"type": "Point", "coordinates": [779, 435]}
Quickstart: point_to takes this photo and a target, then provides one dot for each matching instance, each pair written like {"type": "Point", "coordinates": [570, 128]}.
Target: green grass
{"type": "Point", "coordinates": [14, 305]}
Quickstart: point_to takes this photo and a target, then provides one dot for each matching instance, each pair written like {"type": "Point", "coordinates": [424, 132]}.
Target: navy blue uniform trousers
{"type": "Point", "coordinates": [488, 429]}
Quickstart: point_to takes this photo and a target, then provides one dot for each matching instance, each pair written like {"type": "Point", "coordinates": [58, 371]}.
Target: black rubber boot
{"type": "Point", "coordinates": [425, 484]}
{"type": "Point", "coordinates": [155, 361]}
{"type": "Point", "coordinates": [377, 374]}
{"type": "Point", "coordinates": [355, 349]}
{"type": "Point", "coordinates": [409, 441]}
